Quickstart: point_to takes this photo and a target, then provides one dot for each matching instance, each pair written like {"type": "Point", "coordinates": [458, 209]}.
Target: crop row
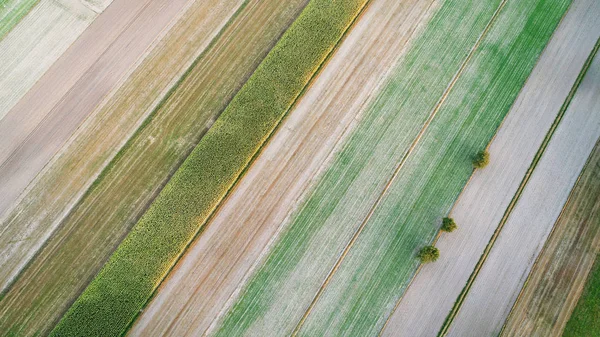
{"type": "Point", "coordinates": [137, 267]}
{"type": "Point", "coordinates": [11, 12]}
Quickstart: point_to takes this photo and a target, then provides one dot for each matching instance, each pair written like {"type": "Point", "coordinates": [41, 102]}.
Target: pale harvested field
{"type": "Point", "coordinates": [197, 290]}
{"type": "Point", "coordinates": [57, 275]}
{"type": "Point", "coordinates": [428, 300]}
{"type": "Point", "coordinates": [112, 119]}
{"type": "Point", "coordinates": [36, 42]}
{"type": "Point", "coordinates": [503, 273]}
{"type": "Point", "coordinates": [561, 270]}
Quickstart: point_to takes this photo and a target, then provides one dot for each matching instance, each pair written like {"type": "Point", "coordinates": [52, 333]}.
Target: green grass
{"type": "Point", "coordinates": [133, 272]}
{"type": "Point", "coordinates": [585, 319]}
{"type": "Point", "coordinates": [319, 231]}
{"type": "Point", "coordinates": [11, 12]}
{"type": "Point", "coordinates": [359, 297]}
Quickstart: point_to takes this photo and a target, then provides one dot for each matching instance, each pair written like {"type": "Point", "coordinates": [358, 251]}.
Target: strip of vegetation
{"type": "Point", "coordinates": [128, 279]}
{"type": "Point", "coordinates": [11, 12]}
{"type": "Point", "coordinates": [584, 320]}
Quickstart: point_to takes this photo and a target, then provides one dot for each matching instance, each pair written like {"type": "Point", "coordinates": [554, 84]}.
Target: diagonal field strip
{"type": "Point", "coordinates": [310, 245]}
{"type": "Point", "coordinates": [202, 282]}
{"type": "Point", "coordinates": [480, 207]}
{"type": "Point", "coordinates": [377, 268]}
{"type": "Point", "coordinates": [11, 12]}
{"type": "Point", "coordinates": [116, 200]}
{"type": "Point", "coordinates": [524, 186]}
{"type": "Point", "coordinates": [129, 278]}
{"type": "Point", "coordinates": [559, 274]}
{"type": "Point", "coordinates": [400, 166]}
{"type": "Point", "coordinates": [528, 224]}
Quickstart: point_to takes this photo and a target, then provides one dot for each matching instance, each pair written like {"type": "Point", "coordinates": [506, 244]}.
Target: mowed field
{"type": "Point", "coordinates": [117, 199]}
{"type": "Point", "coordinates": [202, 282]}
{"type": "Point", "coordinates": [31, 44]}
{"type": "Point", "coordinates": [584, 320]}
{"type": "Point", "coordinates": [559, 274]}
{"type": "Point", "coordinates": [505, 269]}
{"type": "Point", "coordinates": [483, 202]}
{"type": "Point", "coordinates": [325, 228]}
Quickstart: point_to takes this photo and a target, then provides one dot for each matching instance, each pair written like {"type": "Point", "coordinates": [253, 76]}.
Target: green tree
{"type": "Point", "coordinates": [481, 159]}
{"type": "Point", "coordinates": [448, 225]}
{"type": "Point", "coordinates": [429, 254]}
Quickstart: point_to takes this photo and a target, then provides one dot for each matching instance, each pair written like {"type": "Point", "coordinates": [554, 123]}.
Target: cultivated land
{"type": "Point", "coordinates": [381, 257]}
{"type": "Point", "coordinates": [35, 43]}
{"type": "Point", "coordinates": [202, 282]}
{"type": "Point", "coordinates": [11, 12]}
{"type": "Point", "coordinates": [505, 269]}
{"type": "Point", "coordinates": [558, 276]}
{"type": "Point", "coordinates": [584, 320]}
{"type": "Point", "coordinates": [307, 250]}
{"type": "Point", "coordinates": [121, 289]}
{"type": "Point", "coordinates": [481, 206]}
{"type": "Point", "coordinates": [110, 124]}
{"type": "Point", "coordinates": [119, 197]}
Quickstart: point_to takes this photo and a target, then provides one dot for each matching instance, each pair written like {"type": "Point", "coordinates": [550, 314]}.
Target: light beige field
{"type": "Point", "coordinates": [97, 223]}
{"type": "Point", "coordinates": [218, 261]}
{"type": "Point", "coordinates": [559, 275]}
{"type": "Point", "coordinates": [501, 278]}
{"type": "Point", "coordinates": [38, 40]}
{"type": "Point", "coordinates": [20, 240]}
{"type": "Point", "coordinates": [427, 301]}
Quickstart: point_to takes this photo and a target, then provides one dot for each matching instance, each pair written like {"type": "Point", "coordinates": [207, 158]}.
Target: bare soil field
{"type": "Point", "coordinates": [560, 272]}
{"type": "Point", "coordinates": [37, 41]}
{"type": "Point", "coordinates": [123, 191]}
{"type": "Point", "coordinates": [493, 188]}
{"type": "Point", "coordinates": [111, 122]}
{"type": "Point", "coordinates": [199, 287]}
{"type": "Point", "coordinates": [498, 283]}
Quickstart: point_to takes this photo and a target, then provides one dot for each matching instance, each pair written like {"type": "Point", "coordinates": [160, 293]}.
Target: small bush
{"type": "Point", "coordinates": [481, 160]}
{"type": "Point", "coordinates": [448, 225]}
{"type": "Point", "coordinates": [429, 254]}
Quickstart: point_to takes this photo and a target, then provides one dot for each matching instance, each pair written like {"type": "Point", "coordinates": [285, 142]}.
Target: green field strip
{"type": "Point", "coordinates": [11, 12]}
{"type": "Point", "coordinates": [540, 152]}
{"type": "Point", "coordinates": [383, 259]}
{"type": "Point", "coordinates": [584, 319]}
{"type": "Point", "coordinates": [319, 231]}
{"type": "Point", "coordinates": [144, 258]}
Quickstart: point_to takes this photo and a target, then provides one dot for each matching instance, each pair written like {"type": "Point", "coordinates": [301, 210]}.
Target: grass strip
{"type": "Point", "coordinates": [144, 258]}
{"type": "Point", "coordinates": [536, 159]}
{"type": "Point", "coordinates": [584, 319]}
{"type": "Point", "coordinates": [11, 12]}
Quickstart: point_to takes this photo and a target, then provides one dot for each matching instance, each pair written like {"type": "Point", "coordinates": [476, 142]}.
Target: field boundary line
{"type": "Point", "coordinates": [560, 216]}
{"type": "Point", "coordinates": [456, 308]}
{"type": "Point", "coordinates": [400, 166]}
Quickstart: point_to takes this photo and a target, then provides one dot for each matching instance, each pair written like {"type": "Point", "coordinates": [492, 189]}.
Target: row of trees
{"type": "Point", "coordinates": [429, 254]}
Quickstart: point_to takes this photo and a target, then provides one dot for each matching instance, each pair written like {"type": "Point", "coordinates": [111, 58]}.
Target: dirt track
{"type": "Point", "coordinates": [204, 280]}
{"type": "Point", "coordinates": [427, 302]}
{"type": "Point", "coordinates": [36, 128]}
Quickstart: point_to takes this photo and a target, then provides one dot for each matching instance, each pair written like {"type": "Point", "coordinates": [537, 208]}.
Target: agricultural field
{"type": "Point", "coordinates": [482, 204]}
{"type": "Point", "coordinates": [559, 273]}
{"type": "Point", "coordinates": [296, 168]}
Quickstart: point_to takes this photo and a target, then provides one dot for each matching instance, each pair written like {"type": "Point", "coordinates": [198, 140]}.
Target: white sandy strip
{"type": "Point", "coordinates": [435, 288]}
{"type": "Point", "coordinates": [36, 42]}
{"type": "Point", "coordinates": [34, 148]}
{"type": "Point", "coordinates": [497, 286]}
{"type": "Point", "coordinates": [215, 265]}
